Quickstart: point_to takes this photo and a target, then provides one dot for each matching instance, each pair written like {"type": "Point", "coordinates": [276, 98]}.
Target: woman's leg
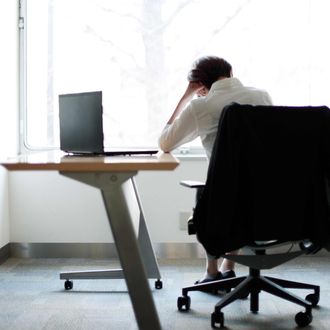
{"type": "Point", "coordinates": [211, 266]}
{"type": "Point", "coordinates": [212, 273]}
{"type": "Point", "coordinates": [227, 264]}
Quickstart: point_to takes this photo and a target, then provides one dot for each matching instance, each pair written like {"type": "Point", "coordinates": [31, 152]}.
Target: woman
{"type": "Point", "coordinates": [211, 80]}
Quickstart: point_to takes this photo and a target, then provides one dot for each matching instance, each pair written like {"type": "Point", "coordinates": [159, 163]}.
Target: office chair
{"type": "Point", "coordinates": [266, 187]}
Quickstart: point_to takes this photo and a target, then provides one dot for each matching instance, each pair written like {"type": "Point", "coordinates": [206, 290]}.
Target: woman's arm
{"type": "Point", "coordinates": [184, 129]}
{"type": "Point", "coordinates": [192, 89]}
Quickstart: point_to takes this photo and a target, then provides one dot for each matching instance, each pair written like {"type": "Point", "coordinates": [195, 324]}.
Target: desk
{"type": "Point", "coordinates": [114, 177]}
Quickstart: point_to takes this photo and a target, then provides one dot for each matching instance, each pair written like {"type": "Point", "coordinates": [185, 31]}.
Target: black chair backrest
{"type": "Point", "coordinates": [267, 178]}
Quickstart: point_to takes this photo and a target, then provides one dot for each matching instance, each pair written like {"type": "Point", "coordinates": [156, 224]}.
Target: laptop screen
{"type": "Point", "coordinates": [81, 127]}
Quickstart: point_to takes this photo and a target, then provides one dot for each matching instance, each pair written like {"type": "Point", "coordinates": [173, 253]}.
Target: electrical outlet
{"type": "Point", "coordinates": [183, 218]}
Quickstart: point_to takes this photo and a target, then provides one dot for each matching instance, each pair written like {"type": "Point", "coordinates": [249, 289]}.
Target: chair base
{"type": "Point", "coordinates": [252, 285]}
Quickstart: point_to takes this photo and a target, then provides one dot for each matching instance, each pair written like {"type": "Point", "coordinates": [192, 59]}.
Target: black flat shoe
{"type": "Point", "coordinates": [228, 274]}
{"type": "Point", "coordinates": [208, 280]}
{"type": "Point", "coordinates": [220, 276]}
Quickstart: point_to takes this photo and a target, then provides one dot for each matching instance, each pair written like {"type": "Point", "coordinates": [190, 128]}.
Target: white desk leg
{"type": "Point", "coordinates": [149, 258]}
{"type": "Point", "coordinates": [115, 200]}
{"type": "Point", "coordinates": [146, 249]}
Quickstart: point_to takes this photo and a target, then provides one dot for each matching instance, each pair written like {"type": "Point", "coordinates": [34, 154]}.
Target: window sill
{"type": "Point", "coordinates": [190, 156]}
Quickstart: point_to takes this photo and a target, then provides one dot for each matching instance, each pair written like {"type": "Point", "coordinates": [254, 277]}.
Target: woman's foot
{"type": "Point", "coordinates": [219, 276]}
{"type": "Point", "coordinates": [210, 278]}
{"type": "Point", "coordinates": [228, 274]}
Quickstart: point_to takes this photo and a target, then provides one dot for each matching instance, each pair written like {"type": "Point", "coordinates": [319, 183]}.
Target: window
{"type": "Point", "coordinates": [138, 53]}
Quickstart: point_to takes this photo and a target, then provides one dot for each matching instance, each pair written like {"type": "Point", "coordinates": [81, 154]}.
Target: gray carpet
{"type": "Point", "coordinates": [33, 297]}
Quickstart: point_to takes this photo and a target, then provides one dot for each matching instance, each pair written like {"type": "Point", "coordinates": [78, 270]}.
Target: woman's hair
{"type": "Point", "coordinates": [209, 69]}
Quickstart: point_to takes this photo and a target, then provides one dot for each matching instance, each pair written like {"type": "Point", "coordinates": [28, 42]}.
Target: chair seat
{"type": "Point", "coordinates": [266, 261]}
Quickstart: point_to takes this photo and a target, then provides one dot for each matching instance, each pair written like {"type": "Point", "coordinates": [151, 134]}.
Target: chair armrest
{"type": "Point", "coordinates": [192, 184]}
{"type": "Point", "coordinates": [198, 185]}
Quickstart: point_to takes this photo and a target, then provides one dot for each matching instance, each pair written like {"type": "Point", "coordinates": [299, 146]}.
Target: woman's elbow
{"type": "Point", "coordinates": [164, 147]}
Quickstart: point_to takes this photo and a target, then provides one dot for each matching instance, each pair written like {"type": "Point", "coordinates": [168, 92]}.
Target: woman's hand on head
{"type": "Point", "coordinates": [195, 87]}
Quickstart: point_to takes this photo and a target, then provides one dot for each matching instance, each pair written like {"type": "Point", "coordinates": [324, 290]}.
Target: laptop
{"type": "Point", "coordinates": [81, 126]}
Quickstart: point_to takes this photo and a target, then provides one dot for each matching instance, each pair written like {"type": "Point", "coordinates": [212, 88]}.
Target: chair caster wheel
{"type": "Point", "coordinates": [303, 319]}
{"type": "Point", "coordinates": [68, 285]}
{"type": "Point", "coordinates": [217, 318]}
{"type": "Point", "coordinates": [158, 284]}
{"type": "Point", "coordinates": [183, 303]}
{"type": "Point", "coordinates": [313, 298]}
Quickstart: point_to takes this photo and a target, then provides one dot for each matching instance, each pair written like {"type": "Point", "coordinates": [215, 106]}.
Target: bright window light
{"type": "Point", "coordinates": [138, 52]}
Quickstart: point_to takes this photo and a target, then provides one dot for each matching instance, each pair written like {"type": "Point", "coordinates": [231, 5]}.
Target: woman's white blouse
{"type": "Point", "coordinates": [200, 118]}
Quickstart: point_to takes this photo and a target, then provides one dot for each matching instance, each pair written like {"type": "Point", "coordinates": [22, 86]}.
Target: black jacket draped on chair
{"type": "Point", "coordinates": [267, 178]}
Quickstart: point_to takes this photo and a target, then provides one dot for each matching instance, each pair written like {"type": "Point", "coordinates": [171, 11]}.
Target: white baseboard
{"type": "Point", "coordinates": [101, 250]}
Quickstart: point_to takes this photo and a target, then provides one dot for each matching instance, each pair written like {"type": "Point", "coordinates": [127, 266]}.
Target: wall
{"type": "Point", "coordinates": [46, 207]}
{"type": "Point", "coordinates": [8, 101]}
{"type": "Point", "coordinates": [4, 209]}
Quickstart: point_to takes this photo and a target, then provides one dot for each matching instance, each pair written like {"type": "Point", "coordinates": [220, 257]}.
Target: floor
{"type": "Point", "coordinates": [33, 297]}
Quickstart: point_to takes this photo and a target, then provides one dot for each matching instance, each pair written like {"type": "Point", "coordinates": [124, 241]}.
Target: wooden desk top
{"type": "Point", "coordinates": [59, 161]}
